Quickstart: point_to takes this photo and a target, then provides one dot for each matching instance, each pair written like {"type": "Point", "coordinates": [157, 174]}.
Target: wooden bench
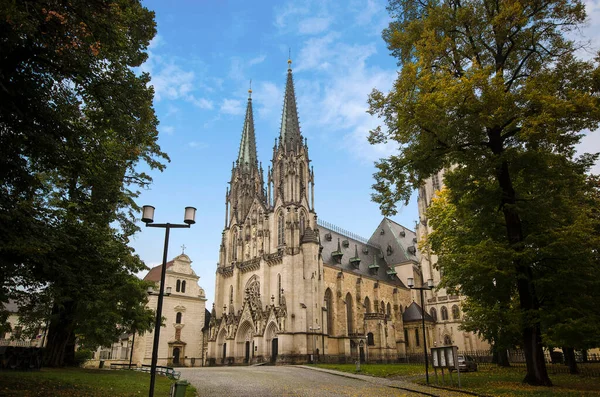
{"type": "Point", "coordinates": [161, 370]}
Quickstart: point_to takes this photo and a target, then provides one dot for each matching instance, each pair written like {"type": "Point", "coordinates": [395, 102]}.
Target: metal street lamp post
{"type": "Point", "coordinates": [314, 330]}
{"type": "Point", "coordinates": [148, 219]}
{"type": "Point", "coordinates": [428, 287]}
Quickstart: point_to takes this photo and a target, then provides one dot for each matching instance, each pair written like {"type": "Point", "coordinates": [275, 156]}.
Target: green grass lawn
{"type": "Point", "coordinates": [379, 370]}
{"type": "Point", "coordinates": [495, 381]}
{"type": "Point", "coordinates": [82, 383]}
{"type": "Point", "coordinates": [490, 381]}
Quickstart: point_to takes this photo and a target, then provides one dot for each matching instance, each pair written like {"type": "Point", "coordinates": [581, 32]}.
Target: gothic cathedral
{"type": "Point", "coordinates": [291, 288]}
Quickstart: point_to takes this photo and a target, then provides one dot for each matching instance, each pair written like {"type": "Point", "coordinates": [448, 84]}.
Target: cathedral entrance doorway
{"type": "Point", "coordinates": [247, 356]}
{"type": "Point", "coordinates": [224, 353]}
{"type": "Point", "coordinates": [274, 349]}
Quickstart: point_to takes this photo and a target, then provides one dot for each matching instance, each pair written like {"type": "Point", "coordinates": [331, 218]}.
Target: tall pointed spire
{"type": "Point", "coordinates": [247, 155]}
{"type": "Point", "coordinates": [290, 135]}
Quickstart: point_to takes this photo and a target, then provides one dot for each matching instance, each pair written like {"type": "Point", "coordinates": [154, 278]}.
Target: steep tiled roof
{"type": "Point", "coordinates": [413, 314]}
{"type": "Point", "coordinates": [368, 254]}
{"type": "Point", "coordinates": [397, 242]}
{"type": "Point", "coordinates": [154, 273]}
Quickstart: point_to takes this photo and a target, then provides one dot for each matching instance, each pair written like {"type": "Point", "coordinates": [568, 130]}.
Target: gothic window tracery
{"type": "Point", "coordinates": [370, 339]}
{"type": "Point", "coordinates": [302, 223]}
{"type": "Point", "coordinates": [349, 313]}
{"type": "Point", "coordinates": [252, 294]}
{"type": "Point", "coordinates": [455, 312]}
{"type": "Point", "coordinates": [280, 230]}
{"type": "Point", "coordinates": [444, 312]}
{"type": "Point", "coordinates": [234, 246]}
{"type": "Point", "coordinates": [279, 289]}
{"type": "Point", "coordinates": [367, 305]}
{"type": "Point", "coordinates": [329, 308]}
{"type": "Point", "coordinates": [433, 314]}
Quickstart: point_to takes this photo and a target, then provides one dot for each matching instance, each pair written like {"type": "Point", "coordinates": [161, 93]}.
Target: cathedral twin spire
{"type": "Point", "coordinates": [290, 136]}
{"type": "Point", "coordinates": [247, 157]}
{"type": "Point", "coordinates": [247, 177]}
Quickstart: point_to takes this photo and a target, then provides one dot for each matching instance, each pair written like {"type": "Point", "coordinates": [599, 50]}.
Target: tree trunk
{"type": "Point", "coordinates": [499, 355]}
{"type": "Point", "coordinates": [503, 358]}
{"type": "Point", "coordinates": [60, 333]}
{"type": "Point", "coordinates": [529, 303]}
{"type": "Point", "coordinates": [569, 353]}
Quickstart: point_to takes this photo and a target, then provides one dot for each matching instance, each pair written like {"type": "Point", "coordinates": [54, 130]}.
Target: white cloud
{"type": "Point", "coordinates": [267, 100]}
{"type": "Point", "coordinates": [197, 145]}
{"type": "Point", "coordinates": [156, 42]}
{"type": "Point", "coordinates": [335, 103]}
{"type": "Point", "coordinates": [365, 14]}
{"type": "Point", "coordinates": [289, 11]}
{"type": "Point", "coordinates": [317, 53]}
{"type": "Point", "coordinates": [590, 33]}
{"type": "Point", "coordinates": [232, 106]}
{"type": "Point", "coordinates": [313, 25]}
{"type": "Point", "coordinates": [591, 144]}
{"type": "Point", "coordinates": [172, 110]}
{"type": "Point", "coordinates": [167, 129]}
{"type": "Point", "coordinates": [257, 60]}
{"type": "Point", "coordinates": [202, 103]}
{"type": "Point", "coordinates": [170, 81]}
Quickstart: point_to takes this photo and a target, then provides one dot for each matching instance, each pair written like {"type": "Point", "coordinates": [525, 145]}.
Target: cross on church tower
{"type": "Point", "coordinates": [183, 247]}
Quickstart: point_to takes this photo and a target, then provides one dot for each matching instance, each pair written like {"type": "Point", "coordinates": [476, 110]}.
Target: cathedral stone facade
{"type": "Point", "coordinates": [291, 288]}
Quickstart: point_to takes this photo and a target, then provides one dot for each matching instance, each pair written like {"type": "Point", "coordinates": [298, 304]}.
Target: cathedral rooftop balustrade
{"type": "Point", "coordinates": [226, 271]}
{"type": "Point", "coordinates": [249, 265]}
{"type": "Point", "coordinates": [273, 259]}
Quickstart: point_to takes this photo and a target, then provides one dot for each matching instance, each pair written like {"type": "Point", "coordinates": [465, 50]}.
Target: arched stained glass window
{"type": "Point", "coordinates": [444, 312]}
{"type": "Point", "coordinates": [433, 314]}
{"type": "Point", "coordinates": [368, 304]}
{"type": "Point", "coordinates": [280, 230]}
{"type": "Point", "coordinates": [455, 312]}
{"type": "Point", "coordinates": [349, 314]}
{"type": "Point", "coordinates": [329, 307]}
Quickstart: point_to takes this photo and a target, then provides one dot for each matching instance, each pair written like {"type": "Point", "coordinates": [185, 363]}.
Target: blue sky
{"type": "Point", "coordinates": [201, 63]}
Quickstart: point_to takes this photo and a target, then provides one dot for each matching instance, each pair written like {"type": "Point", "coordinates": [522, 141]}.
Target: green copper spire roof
{"type": "Point", "coordinates": [290, 126]}
{"type": "Point", "coordinates": [247, 156]}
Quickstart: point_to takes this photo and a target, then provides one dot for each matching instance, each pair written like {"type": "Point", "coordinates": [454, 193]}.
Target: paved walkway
{"type": "Point", "coordinates": [300, 381]}
{"type": "Point", "coordinates": [394, 383]}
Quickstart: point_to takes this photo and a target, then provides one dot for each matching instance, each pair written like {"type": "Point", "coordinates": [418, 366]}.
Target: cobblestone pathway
{"type": "Point", "coordinates": [296, 381]}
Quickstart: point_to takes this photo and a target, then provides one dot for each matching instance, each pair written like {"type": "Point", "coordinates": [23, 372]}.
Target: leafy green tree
{"type": "Point", "coordinates": [76, 121]}
{"type": "Point", "coordinates": [492, 89]}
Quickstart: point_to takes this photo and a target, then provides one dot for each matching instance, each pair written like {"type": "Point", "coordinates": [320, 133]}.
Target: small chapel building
{"type": "Point", "coordinates": [181, 338]}
{"type": "Point", "coordinates": [291, 288]}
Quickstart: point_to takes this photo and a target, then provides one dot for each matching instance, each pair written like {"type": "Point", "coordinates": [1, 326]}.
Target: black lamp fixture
{"type": "Point", "coordinates": [425, 287]}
